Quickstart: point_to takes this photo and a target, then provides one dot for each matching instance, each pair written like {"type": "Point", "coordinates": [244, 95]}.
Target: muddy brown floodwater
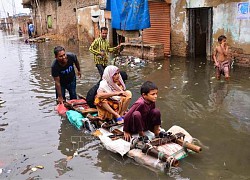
{"type": "Point", "coordinates": [32, 133]}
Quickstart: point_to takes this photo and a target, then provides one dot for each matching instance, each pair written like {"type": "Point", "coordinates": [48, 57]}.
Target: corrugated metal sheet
{"type": "Point", "coordinates": [159, 32]}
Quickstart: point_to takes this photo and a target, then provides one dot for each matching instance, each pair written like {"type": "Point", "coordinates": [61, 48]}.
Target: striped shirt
{"type": "Point", "coordinates": [99, 45]}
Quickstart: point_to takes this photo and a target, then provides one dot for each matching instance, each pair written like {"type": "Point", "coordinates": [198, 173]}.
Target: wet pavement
{"type": "Point", "coordinates": [32, 133]}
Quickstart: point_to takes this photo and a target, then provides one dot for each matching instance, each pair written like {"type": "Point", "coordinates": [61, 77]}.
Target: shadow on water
{"type": "Point", "coordinates": [215, 112]}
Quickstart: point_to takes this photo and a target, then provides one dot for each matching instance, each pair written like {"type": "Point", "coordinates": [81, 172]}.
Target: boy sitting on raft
{"type": "Point", "coordinates": [143, 115]}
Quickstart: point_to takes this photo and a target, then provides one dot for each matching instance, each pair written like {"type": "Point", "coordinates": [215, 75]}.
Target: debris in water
{"type": "Point", "coordinates": [75, 154]}
{"type": "Point", "coordinates": [159, 67]}
{"type": "Point", "coordinates": [40, 167]}
{"type": "Point", "coordinates": [69, 158]}
{"type": "Point", "coordinates": [128, 60]}
{"type": "Point", "coordinates": [137, 60]}
{"type": "Point", "coordinates": [4, 124]}
{"type": "Point", "coordinates": [26, 170]}
{"type": "Point", "coordinates": [34, 169]}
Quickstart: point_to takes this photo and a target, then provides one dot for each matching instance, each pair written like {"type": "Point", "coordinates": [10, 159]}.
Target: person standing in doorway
{"type": "Point", "coordinates": [20, 32]}
{"type": "Point", "coordinates": [220, 54]}
{"type": "Point", "coordinates": [30, 30]}
{"type": "Point", "coordinates": [100, 48]}
{"type": "Point", "coordinates": [63, 72]}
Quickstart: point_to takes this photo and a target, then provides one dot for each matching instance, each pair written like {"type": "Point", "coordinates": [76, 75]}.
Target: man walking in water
{"type": "Point", "coordinates": [100, 48]}
{"type": "Point", "coordinates": [63, 72]}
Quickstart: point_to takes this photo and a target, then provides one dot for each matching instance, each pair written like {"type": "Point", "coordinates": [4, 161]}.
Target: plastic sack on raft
{"type": "Point", "coordinates": [75, 118]}
{"type": "Point", "coordinates": [117, 146]}
{"type": "Point", "coordinates": [61, 109]}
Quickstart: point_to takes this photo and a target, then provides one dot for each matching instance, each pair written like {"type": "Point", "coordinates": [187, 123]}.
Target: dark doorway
{"type": "Point", "coordinates": [117, 39]}
{"type": "Point", "coordinates": [200, 32]}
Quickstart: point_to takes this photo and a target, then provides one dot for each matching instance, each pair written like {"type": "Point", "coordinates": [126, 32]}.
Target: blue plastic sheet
{"type": "Point", "coordinates": [75, 118]}
{"type": "Point", "coordinates": [129, 14]}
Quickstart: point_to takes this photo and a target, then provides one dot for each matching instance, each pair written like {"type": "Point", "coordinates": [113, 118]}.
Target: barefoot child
{"type": "Point", "coordinates": [220, 58]}
{"type": "Point", "coordinates": [143, 115]}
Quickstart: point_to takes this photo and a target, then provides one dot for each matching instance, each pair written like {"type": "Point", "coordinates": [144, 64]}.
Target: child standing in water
{"type": "Point", "coordinates": [222, 64]}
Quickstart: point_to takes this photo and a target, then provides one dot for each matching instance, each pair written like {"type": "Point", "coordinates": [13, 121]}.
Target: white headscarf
{"type": "Point", "coordinates": [107, 84]}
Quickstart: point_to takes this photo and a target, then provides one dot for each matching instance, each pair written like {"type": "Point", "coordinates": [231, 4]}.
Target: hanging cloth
{"type": "Point", "coordinates": [129, 14]}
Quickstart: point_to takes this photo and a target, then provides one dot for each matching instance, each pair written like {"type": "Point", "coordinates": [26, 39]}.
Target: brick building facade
{"type": "Point", "coordinates": [196, 25]}
{"type": "Point", "coordinates": [56, 17]}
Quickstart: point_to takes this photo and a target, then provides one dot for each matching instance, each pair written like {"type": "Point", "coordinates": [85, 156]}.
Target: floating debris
{"type": "Point", "coordinates": [75, 154]}
{"type": "Point", "coordinates": [69, 158]}
{"type": "Point", "coordinates": [128, 60]}
{"type": "Point", "coordinates": [34, 169]}
{"type": "Point", "coordinates": [28, 168]}
{"type": "Point", "coordinates": [196, 84]}
{"type": "Point", "coordinates": [40, 167]}
{"type": "Point", "coordinates": [47, 153]}
{"type": "Point", "coordinates": [159, 67]}
{"type": "Point", "coordinates": [185, 82]}
{"type": "Point", "coordinates": [137, 60]}
{"type": "Point", "coordinates": [4, 124]}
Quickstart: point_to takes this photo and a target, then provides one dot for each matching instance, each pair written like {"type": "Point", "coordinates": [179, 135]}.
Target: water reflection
{"type": "Point", "coordinates": [218, 94]}
{"type": "Point", "coordinates": [215, 112]}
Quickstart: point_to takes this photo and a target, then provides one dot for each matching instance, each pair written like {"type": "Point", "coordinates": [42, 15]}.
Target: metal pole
{"type": "Point", "coordinates": [142, 49]}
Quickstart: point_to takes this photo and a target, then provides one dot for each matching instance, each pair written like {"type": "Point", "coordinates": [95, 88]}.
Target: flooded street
{"type": "Point", "coordinates": [32, 133]}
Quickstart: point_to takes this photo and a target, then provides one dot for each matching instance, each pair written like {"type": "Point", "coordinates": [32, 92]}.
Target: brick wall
{"type": "Point", "coordinates": [63, 17]}
{"type": "Point", "coordinates": [149, 51]}
{"type": "Point", "coordinates": [86, 3]}
{"type": "Point", "coordinates": [239, 57]}
{"type": "Point", "coordinates": [67, 22]}
{"type": "Point", "coordinates": [178, 45]}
